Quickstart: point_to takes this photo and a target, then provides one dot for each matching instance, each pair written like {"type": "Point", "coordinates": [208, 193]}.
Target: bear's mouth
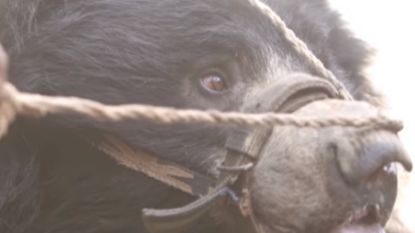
{"type": "Point", "coordinates": [364, 220]}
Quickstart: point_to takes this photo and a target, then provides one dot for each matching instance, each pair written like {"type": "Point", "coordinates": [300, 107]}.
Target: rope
{"type": "Point", "coordinates": [14, 103]}
{"type": "Point", "coordinates": [301, 47]}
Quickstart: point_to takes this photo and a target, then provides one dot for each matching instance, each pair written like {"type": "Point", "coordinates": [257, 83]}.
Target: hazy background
{"type": "Point", "coordinates": [389, 26]}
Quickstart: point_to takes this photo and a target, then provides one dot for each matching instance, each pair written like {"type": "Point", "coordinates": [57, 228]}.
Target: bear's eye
{"type": "Point", "coordinates": [213, 83]}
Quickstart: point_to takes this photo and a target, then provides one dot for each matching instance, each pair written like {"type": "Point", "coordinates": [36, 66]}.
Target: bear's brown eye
{"type": "Point", "coordinates": [213, 83]}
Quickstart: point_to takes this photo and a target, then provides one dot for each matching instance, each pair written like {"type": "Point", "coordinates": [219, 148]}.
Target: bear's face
{"type": "Point", "coordinates": [222, 55]}
{"type": "Point", "coordinates": [185, 54]}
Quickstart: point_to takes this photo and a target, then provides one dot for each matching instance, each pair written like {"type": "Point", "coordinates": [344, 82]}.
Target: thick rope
{"type": "Point", "coordinates": [14, 102]}
{"type": "Point", "coordinates": [301, 47]}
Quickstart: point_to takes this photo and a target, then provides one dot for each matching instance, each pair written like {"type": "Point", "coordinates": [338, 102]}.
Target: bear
{"type": "Point", "coordinates": [220, 55]}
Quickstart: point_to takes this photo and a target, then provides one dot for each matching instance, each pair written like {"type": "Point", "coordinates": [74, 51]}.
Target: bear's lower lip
{"type": "Point", "coordinates": [359, 228]}
{"type": "Point", "coordinates": [365, 220]}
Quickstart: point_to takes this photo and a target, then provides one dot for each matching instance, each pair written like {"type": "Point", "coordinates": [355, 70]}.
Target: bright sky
{"type": "Point", "coordinates": [389, 26]}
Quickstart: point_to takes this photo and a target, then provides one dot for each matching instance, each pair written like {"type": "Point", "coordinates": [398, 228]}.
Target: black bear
{"type": "Point", "coordinates": [187, 54]}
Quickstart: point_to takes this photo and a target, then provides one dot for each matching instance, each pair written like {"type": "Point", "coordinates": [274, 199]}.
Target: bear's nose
{"type": "Point", "coordinates": [367, 156]}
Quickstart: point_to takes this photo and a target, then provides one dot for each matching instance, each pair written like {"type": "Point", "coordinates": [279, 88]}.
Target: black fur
{"type": "Point", "coordinates": [140, 51]}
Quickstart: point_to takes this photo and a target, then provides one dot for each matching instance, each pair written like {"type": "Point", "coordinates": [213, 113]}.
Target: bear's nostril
{"type": "Point", "coordinates": [360, 159]}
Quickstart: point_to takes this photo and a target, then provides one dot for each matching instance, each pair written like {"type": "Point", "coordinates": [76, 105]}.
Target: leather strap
{"type": "Point", "coordinates": [178, 219]}
{"type": "Point", "coordinates": [169, 173]}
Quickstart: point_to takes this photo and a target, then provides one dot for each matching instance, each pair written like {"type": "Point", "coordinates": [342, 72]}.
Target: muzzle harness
{"type": "Point", "coordinates": [243, 150]}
